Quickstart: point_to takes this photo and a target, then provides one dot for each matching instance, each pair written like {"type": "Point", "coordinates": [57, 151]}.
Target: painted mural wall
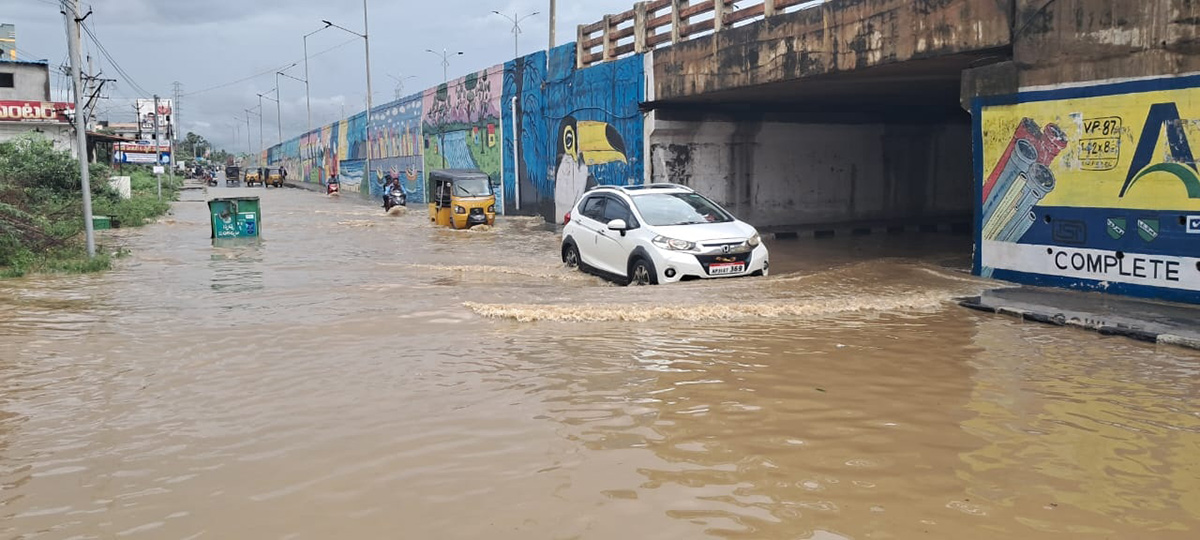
{"type": "Point", "coordinates": [396, 147]}
{"type": "Point", "coordinates": [572, 129]}
{"type": "Point", "coordinates": [575, 129]}
{"type": "Point", "coordinates": [461, 125]}
{"type": "Point", "coordinates": [1092, 188]}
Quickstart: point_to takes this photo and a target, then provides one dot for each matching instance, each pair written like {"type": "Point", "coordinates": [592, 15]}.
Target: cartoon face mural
{"type": "Point", "coordinates": [582, 144]}
{"type": "Point", "coordinates": [1093, 187]}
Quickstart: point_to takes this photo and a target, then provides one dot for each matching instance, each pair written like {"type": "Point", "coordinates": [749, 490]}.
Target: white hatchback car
{"type": "Point", "coordinates": [658, 233]}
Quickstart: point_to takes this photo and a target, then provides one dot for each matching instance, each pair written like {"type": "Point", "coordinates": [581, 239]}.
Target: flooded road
{"type": "Point", "coordinates": [357, 375]}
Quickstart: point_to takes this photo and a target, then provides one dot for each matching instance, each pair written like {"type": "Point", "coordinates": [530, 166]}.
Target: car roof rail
{"type": "Point", "coordinates": [659, 185]}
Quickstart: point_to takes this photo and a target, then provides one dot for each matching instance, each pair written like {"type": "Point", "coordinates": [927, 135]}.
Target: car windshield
{"type": "Point", "coordinates": [472, 187]}
{"type": "Point", "coordinates": [661, 209]}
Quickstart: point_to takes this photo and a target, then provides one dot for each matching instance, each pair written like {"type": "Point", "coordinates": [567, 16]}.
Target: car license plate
{"type": "Point", "coordinates": [726, 269]}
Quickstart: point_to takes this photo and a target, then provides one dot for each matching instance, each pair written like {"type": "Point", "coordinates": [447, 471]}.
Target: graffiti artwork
{"type": "Point", "coordinates": [461, 124]}
{"type": "Point", "coordinates": [577, 128]}
{"type": "Point", "coordinates": [1092, 187]}
{"type": "Point", "coordinates": [396, 147]}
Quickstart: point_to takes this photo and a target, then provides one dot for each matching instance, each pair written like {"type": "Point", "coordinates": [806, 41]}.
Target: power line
{"type": "Point", "coordinates": [269, 71]}
{"type": "Point", "coordinates": [112, 62]}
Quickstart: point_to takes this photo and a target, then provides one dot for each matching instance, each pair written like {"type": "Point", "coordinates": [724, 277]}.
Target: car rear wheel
{"type": "Point", "coordinates": [570, 256]}
{"type": "Point", "coordinates": [642, 272]}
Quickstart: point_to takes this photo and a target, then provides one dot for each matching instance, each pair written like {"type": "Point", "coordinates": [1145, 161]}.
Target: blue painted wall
{"type": "Point", "coordinates": [576, 128]}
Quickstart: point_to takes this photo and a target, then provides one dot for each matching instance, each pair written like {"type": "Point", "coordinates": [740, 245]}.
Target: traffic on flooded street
{"type": "Point", "coordinates": [361, 374]}
{"type": "Point", "coordinates": [635, 269]}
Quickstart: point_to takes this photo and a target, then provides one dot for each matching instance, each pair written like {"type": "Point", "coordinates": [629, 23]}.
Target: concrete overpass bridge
{"type": "Point", "coordinates": [799, 113]}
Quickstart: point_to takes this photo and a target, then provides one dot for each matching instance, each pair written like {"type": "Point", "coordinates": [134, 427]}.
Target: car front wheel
{"type": "Point", "coordinates": [642, 272]}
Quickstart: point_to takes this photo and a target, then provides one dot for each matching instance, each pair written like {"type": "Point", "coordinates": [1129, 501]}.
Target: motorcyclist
{"type": "Point", "coordinates": [391, 183]}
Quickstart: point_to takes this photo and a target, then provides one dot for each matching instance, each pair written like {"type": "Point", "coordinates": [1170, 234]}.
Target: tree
{"type": "Point", "coordinates": [191, 145]}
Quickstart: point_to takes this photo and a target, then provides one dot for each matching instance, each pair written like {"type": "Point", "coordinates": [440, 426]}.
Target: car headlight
{"type": "Point", "coordinates": [673, 244]}
{"type": "Point", "coordinates": [492, 209]}
{"type": "Point", "coordinates": [460, 210]}
{"type": "Point", "coordinates": [755, 240]}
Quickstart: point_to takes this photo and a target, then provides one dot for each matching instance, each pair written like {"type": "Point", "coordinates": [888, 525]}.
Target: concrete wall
{"type": "Point", "coordinates": [1089, 40]}
{"type": "Point", "coordinates": [775, 174]}
{"type": "Point", "coordinates": [31, 81]}
{"type": "Point", "coordinates": [62, 135]}
{"type": "Point", "coordinates": [837, 36]}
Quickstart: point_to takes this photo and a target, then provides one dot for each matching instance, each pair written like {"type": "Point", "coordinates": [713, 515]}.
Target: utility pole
{"type": "Point", "coordinates": [177, 87]}
{"type": "Point", "coordinates": [157, 147]}
{"type": "Point", "coordinates": [278, 118]}
{"type": "Point", "coordinates": [553, 21]}
{"type": "Point", "coordinates": [73, 20]}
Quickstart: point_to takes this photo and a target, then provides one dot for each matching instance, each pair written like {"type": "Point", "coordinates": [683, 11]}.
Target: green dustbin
{"type": "Point", "coordinates": [101, 223]}
{"type": "Point", "coordinates": [235, 217]}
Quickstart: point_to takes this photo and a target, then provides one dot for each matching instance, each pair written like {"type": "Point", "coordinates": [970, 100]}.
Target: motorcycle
{"type": "Point", "coordinates": [394, 199]}
{"type": "Point", "coordinates": [333, 187]}
{"type": "Point", "coordinates": [210, 180]}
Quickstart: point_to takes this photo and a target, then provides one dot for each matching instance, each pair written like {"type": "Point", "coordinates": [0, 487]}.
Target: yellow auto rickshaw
{"type": "Point", "coordinates": [274, 177]}
{"type": "Point", "coordinates": [461, 198]}
{"type": "Point", "coordinates": [253, 176]}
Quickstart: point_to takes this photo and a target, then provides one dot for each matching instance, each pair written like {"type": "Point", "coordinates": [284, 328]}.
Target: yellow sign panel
{"type": "Point", "coordinates": [1128, 151]}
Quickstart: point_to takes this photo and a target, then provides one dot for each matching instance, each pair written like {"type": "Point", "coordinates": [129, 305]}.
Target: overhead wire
{"type": "Point", "coordinates": [269, 71]}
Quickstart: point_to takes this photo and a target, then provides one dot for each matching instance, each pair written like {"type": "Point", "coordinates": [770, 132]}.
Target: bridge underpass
{"type": "Point", "coordinates": [885, 147]}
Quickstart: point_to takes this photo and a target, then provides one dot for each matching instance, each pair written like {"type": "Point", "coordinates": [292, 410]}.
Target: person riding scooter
{"type": "Point", "coordinates": [393, 194]}
{"type": "Point", "coordinates": [333, 186]}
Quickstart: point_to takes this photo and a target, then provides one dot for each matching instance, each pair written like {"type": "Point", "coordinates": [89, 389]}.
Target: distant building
{"type": "Point", "coordinates": [25, 104]}
{"type": "Point", "coordinates": [24, 80]}
{"type": "Point", "coordinates": [126, 130]}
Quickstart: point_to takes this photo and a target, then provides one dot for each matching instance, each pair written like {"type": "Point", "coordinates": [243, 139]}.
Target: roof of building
{"type": "Point", "coordinates": [28, 62]}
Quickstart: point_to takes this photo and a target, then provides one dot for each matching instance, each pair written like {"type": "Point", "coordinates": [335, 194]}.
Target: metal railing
{"type": "Point", "coordinates": [657, 22]}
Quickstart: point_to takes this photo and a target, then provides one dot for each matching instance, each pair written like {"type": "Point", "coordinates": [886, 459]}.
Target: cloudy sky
{"type": "Point", "coordinates": [214, 48]}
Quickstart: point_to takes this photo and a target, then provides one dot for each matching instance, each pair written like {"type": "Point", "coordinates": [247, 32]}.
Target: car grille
{"type": "Point", "coordinates": [706, 260]}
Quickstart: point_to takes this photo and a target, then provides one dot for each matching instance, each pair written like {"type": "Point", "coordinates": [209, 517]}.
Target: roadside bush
{"type": "Point", "coordinates": [41, 221]}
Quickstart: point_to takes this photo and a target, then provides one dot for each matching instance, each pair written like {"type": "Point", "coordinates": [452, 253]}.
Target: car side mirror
{"type": "Point", "coordinates": [617, 225]}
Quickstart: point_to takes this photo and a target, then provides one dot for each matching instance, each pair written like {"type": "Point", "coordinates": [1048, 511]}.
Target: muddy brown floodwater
{"type": "Point", "coordinates": [357, 375]}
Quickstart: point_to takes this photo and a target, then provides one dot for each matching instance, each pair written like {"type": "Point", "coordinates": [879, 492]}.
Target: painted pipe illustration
{"type": "Point", "coordinates": [1049, 142]}
{"type": "Point", "coordinates": [1039, 181]}
{"type": "Point", "coordinates": [1025, 154]}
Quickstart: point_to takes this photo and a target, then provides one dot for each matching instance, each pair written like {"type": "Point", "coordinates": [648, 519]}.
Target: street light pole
{"type": "Point", "coordinates": [445, 62]}
{"type": "Point", "coordinates": [305, 81]}
{"type": "Point", "coordinates": [307, 95]}
{"type": "Point", "coordinates": [248, 150]}
{"type": "Point", "coordinates": [278, 109]}
{"type": "Point", "coordinates": [553, 21]}
{"type": "Point", "coordinates": [260, 120]}
{"type": "Point", "coordinates": [516, 20]}
{"type": "Point", "coordinates": [367, 50]}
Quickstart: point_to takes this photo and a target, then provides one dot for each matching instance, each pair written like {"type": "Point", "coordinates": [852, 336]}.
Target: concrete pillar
{"type": "Point", "coordinates": [768, 8]}
{"type": "Point", "coordinates": [579, 50]}
{"type": "Point", "coordinates": [676, 21]}
{"type": "Point", "coordinates": [639, 27]}
{"type": "Point", "coordinates": [718, 15]}
{"type": "Point", "coordinates": [608, 44]}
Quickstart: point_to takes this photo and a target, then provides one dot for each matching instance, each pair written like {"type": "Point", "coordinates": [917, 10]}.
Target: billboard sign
{"type": "Point", "coordinates": [45, 112]}
{"type": "Point", "coordinates": [140, 152]}
{"type": "Point", "coordinates": [1094, 187]}
{"type": "Point", "coordinates": [147, 115]}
